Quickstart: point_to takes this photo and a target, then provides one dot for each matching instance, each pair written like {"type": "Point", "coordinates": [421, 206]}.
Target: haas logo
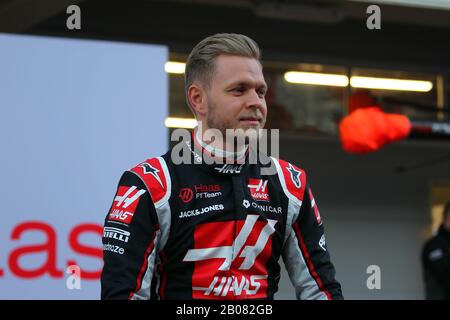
{"type": "Point", "coordinates": [246, 256]}
{"type": "Point", "coordinates": [125, 204]}
{"type": "Point", "coordinates": [258, 189]}
{"type": "Point", "coordinates": [186, 194]}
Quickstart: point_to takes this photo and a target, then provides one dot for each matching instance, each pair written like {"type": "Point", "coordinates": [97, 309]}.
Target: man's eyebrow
{"type": "Point", "coordinates": [246, 84]}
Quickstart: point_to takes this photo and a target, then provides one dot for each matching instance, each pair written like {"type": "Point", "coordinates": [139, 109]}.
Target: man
{"type": "Point", "coordinates": [216, 227]}
{"type": "Point", "coordinates": [436, 261]}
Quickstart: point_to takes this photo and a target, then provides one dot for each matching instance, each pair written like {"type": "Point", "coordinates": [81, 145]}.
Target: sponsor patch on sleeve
{"type": "Point", "coordinates": [125, 204]}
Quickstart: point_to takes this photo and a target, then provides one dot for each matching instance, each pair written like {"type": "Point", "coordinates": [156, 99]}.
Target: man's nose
{"type": "Point", "coordinates": [253, 100]}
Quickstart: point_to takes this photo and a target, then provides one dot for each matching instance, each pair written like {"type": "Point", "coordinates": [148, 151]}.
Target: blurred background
{"type": "Point", "coordinates": [120, 76]}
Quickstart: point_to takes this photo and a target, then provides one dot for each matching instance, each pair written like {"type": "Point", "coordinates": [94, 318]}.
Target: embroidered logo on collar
{"type": "Point", "coordinates": [295, 176]}
{"type": "Point", "coordinates": [229, 168]}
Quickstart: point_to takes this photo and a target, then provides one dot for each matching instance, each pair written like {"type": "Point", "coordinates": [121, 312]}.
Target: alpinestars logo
{"type": "Point", "coordinates": [258, 189]}
{"type": "Point", "coordinates": [149, 169]}
{"type": "Point", "coordinates": [246, 256]}
{"type": "Point", "coordinates": [295, 176]}
{"type": "Point", "coordinates": [125, 204]}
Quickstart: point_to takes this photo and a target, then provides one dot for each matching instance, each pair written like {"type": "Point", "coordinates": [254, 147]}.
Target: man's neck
{"type": "Point", "coordinates": [219, 147]}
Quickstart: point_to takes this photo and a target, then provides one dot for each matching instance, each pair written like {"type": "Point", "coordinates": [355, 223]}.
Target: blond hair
{"type": "Point", "coordinates": [200, 63]}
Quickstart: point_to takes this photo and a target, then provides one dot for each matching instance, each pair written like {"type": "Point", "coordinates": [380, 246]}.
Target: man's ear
{"type": "Point", "coordinates": [197, 97]}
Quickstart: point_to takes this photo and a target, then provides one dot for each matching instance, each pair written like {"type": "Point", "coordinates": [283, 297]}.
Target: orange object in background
{"type": "Point", "coordinates": [360, 99]}
{"type": "Point", "coordinates": [367, 129]}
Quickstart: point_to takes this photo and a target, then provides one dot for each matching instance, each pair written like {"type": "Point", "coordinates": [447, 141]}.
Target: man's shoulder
{"type": "Point", "coordinates": [154, 173]}
{"type": "Point", "coordinates": [149, 163]}
{"type": "Point", "coordinates": [287, 164]}
{"type": "Point", "coordinates": [438, 239]}
{"type": "Point", "coordinates": [292, 178]}
{"type": "Point", "coordinates": [432, 244]}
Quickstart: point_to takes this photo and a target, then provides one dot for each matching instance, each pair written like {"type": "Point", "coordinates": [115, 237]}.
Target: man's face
{"type": "Point", "coordinates": [236, 95]}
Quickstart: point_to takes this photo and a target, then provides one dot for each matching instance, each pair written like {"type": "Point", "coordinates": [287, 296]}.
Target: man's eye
{"type": "Point", "coordinates": [262, 93]}
{"type": "Point", "coordinates": [238, 90]}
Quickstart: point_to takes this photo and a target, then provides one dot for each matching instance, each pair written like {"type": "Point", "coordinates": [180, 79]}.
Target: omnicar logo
{"type": "Point", "coordinates": [114, 233]}
{"type": "Point", "coordinates": [262, 207]}
{"type": "Point", "coordinates": [232, 264]}
{"type": "Point", "coordinates": [258, 189]}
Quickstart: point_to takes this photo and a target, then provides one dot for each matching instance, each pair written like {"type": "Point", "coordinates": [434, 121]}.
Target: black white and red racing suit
{"type": "Point", "coordinates": [214, 231]}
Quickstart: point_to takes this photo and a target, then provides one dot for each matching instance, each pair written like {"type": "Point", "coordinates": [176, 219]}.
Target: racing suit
{"type": "Point", "coordinates": [214, 231]}
{"type": "Point", "coordinates": [436, 265]}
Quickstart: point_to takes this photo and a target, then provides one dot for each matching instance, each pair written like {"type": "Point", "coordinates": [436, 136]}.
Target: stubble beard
{"type": "Point", "coordinates": [247, 135]}
{"type": "Point", "coordinates": [215, 122]}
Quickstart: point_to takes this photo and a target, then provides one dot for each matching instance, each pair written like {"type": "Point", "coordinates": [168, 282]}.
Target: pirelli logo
{"type": "Point", "coordinates": [115, 233]}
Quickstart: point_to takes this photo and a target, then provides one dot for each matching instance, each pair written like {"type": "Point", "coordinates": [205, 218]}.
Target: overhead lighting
{"type": "Point", "coordinates": [187, 123]}
{"type": "Point", "coordinates": [174, 67]}
{"type": "Point", "coordinates": [391, 84]}
{"type": "Point", "coordinates": [323, 79]}
{"type": "Point", "coordinates": [430, 4]}
{"type": "Point", "coordinates": [328, 79]}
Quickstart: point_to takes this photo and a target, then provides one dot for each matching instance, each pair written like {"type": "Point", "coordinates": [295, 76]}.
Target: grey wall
{"type": "Point", "coordinates": [372, 214]}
